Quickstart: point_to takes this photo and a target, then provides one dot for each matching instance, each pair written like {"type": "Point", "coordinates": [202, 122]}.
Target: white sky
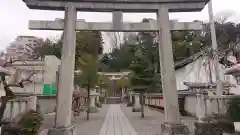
{"type": "Point", "coordinates": [14, 17]}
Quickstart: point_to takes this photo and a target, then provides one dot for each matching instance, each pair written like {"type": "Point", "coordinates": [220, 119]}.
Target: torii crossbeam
{"type": "Point", "coordinates": [108, 26]}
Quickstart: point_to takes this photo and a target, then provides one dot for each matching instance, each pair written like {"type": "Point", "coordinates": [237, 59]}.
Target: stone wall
{"type": "Point", "coordinates": [19, 106]}
{"type": "Point", "coordinates": [191, 102]}
{"type": "Point", "coordinates": [46, 102]}
{"type": "Point", "coordinates": [47, 105]}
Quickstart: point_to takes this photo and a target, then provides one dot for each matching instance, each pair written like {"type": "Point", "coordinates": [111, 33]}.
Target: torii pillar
{"type": "Point", "coordinates": [63, 124]}
{"type": "Point", "coordinates": [172, 123]}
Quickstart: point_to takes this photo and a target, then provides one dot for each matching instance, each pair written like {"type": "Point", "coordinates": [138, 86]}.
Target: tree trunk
{"type": "Point", "coordinates": [142, 104]}
{"type": "Point", "coordinates": [9, 95]}
{"type": "Point", "coordinates": [2, 109]}
{"type": "Point", "coordinates": [88, 102]}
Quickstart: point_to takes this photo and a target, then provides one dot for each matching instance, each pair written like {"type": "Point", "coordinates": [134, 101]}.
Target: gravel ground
{"type": "Point", "coordinates": [83, 126]}
{"type": "Point", "coordinates": [93, 126]}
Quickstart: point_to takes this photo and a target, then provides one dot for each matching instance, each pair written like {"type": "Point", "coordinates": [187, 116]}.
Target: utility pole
{"type": "Point", "coordinates": [215, 53]}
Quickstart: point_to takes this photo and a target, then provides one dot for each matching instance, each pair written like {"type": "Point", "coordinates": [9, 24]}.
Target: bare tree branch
{"type": "Point", "coordinates": [114, 39]}
{"type": "Point", "coordinates": [9, 93]}
{"type": "Point", "coordinates": [28, 78]}
{"type": "Point", "coordinates": [35, 51]}
{"type": "Point", "coordinates": [8, 63]}
{"type": "Point", "coordinates": [224, 16]}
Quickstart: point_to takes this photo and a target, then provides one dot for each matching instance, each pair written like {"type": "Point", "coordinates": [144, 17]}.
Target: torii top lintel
{"type": "Point", "coordinates": [120, 5]}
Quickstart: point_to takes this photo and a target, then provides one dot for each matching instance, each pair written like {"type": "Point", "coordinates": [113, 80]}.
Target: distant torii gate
{"type": "Point", "coordinates": [114, 76]}
{"type": "Point", "coordinates": [162, 26]}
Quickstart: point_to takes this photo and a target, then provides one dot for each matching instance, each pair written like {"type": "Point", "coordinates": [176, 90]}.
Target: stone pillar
{"type": "Point", "coordinates": [172, 124]}
{"type": "Point", "coordinates": [216, 64]}
{"type": "Point", "coordinates": [92, 101]}
{"type": "Point", "coordinates": [63, 124]}
{"type": "Point", "coordinates": [130, 99]}
{"type": "Point", "coordinates": [93, 96]}
{"type": "Point", "coordinates": [122, 90]}
{"type": "Point", "coordinates": [210, 107]}
{"type": "Point", "coordinates": [117, 19]}
{"type": "Point", "coordinates": [130, 96]}
{"type": "Point", "coordinates": [136, 106]}
{"type": "Point", "coordinates": [200, 106]}
{"type": "Point", "coordinates": [99, 104]}
{"type": "Point", "coordinates": [142, 101]}
{"type": "Point", "coordinates": [32, 103]}
{"type": "Point", "coordinates": [98, 98]}
{"type": "Point", "coordinates": [15, 111]}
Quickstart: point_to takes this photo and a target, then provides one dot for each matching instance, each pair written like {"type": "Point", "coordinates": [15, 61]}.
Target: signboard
{"type": "Point", "coordinates": [49, 89]}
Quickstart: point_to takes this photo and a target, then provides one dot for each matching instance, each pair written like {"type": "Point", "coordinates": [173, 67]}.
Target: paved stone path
{"type": "Point", "coordinates": [116, 123]}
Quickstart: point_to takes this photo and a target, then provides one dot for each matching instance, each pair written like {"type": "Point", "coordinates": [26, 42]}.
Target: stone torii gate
{"type": "Point", "coordinates": [63, 125]}
{"type": "Point", "coordinates": [114, 76]}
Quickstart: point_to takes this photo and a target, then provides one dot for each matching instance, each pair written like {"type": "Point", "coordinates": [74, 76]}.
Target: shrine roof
{"type": "Point", "coordinates": [234, 70]}
{"type": "Point", "coordinates": [202, 53]}
{"type": "Point", "coordinates": [206, 85]}
{"type": "Point", "coordinates": [182, 63]}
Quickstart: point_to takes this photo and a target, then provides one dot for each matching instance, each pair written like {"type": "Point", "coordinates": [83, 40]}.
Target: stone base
{"type": "Point", "coordinates": [93, 110]}
{"type": "Point", "coordinates": [207, 129]}
{"type": "Point", "coordinates": [142, 115]}
{"type": "Point", "coordinates": [63, 131]}
{"type": "Point", "coordinates": [134, 109]}
{"type": "Point", "coordinates": [174, 129]}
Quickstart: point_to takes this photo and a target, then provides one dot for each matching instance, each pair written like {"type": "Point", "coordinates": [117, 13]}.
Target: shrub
{"type": "Point", "coordinates": [28, 124]}
{"type": "Point", "coordinates": [233, 109]}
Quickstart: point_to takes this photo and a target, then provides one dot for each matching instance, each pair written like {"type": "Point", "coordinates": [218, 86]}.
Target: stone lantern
{"type": "Point", "coordinates": [93, 97]}
{"type": "Point", "coordinates": [138, 94]}
{"type": "Point", "coordinates": [130, 95]}
{"type": "Point", "coordinates": [98, 91]}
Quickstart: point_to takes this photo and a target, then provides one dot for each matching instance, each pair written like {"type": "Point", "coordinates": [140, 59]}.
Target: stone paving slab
{"type": "Point", "coordinates": [116, 123]}
{"type": "Point", "coordinates": [151, 123]}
